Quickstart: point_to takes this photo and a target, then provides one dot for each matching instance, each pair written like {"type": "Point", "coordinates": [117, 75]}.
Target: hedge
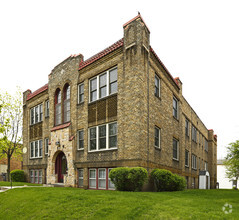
{"type": "Point", "coordinates": [128, 179]}
{"type": "Point", "coordinates": [167, 181]}
{"type": "Point", "coordinates": [18, 176]}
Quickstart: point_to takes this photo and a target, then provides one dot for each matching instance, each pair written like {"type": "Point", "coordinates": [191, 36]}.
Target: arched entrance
{"type": "Point", "coordinates": [60, 167]}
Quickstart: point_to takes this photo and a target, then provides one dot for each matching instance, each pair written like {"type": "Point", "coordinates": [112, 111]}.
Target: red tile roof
{"type": "Point", "coordinates": [151, 49]}
{"type": "Point", "coordinates": [101, 54]}
{"type": "Point", "coordinates": [61, 126]}
{"type": "Point", "coordinates": [42, 89]}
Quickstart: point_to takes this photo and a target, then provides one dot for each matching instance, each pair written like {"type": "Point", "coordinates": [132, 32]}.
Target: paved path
{"type": "Point", "coordinates": [5, 188]}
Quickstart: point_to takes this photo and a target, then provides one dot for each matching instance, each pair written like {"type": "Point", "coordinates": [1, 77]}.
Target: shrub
{"type": "Point", "coordinates": [166, 181]}
{"type": "Point", "coordinates": [128, 179]}
{"type": "Point", "coordinates": [18, 176]}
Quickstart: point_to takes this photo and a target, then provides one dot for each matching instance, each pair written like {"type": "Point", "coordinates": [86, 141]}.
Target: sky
{"type": "Point", "coordinates": [197, 40]}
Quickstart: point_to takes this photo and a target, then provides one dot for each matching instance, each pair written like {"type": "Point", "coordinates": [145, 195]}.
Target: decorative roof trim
{"type": "Point", "coordinates": [40, 90]}
{"type": "Point", "coordinates": [101, 54]}
{"type": "Point", "coordinates": [61, 126]}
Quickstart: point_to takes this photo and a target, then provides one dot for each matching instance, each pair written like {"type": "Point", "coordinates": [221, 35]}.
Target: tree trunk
{"type": "Point", "coordinates": [8, 167]}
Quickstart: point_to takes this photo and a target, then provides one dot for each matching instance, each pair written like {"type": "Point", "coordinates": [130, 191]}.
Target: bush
{"type": "Point", "coordinates": [128, 179]}
{"type": "Point", "coordinates": [18, 176]}
{"type": "Point", "coordinates": [167, 181]}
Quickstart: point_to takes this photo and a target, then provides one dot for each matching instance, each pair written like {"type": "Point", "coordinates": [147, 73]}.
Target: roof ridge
{"type": "Point", "coordinates": [38, 91]}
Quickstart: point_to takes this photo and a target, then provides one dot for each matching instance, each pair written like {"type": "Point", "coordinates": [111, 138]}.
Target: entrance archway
{"type": "Point", "coordinates": [60, 167]}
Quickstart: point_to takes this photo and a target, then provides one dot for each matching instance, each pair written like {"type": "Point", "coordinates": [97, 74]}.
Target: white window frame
{"type": "Point", "coordinates": [79, 93]}
{"type": "Point", "coordinates": [93, 179]}
{"type": "Point", "coordinates": [177, 107]}
{"type": "Point", "coordinates": [187, 127]}
{"type": "Point", "coordinates": [98, 85]}
{"type": "Point", "coordinates": [36, 175]}
{"type": "Point", "coordinates": [206, 145]}
{"type": "Point", "coordinates": [159, 137]}
{"type": "Point", "coordinates": [157, 87]}
{"type": "Point", "coordinates": [101, 178]}
{"type": "Point", "coordinates": [34, 149]}
{"type": "Point", "coordinates": [81, 177]}
{"type": "Point", "coordinates": [39, 114]}
{"type": "Point", "coordinates": [47, 108]}
{"type": "Point", "coordinates": [110, 181]}
{"type": "Point", "coordinates": [107, 138]}
{"type": "Point", "coordinates": [46, 146]}
{"type": "Point", "coordinates": [194, 133]}
{"type": "Point", "coordinates": [32, 180]}
{"type": "Point", "coordinates": [78, 139]}
{"type": "Point", "coordinates": [187, 152]}
{"type": "Point", "coordinates": [177, 141]}
{"type": "Point", "coordinates": [194, 162]}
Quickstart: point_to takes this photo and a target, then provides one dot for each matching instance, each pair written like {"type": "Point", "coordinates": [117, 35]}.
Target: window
{"type": "Point", "coordinates": [186, 127]}
{"type": "Point", "coordinates": [36, 149]}
{"type": "Point", "coordinates": [175, 149]}
{"type": "Point", "coordinates": [92, 178]}
{"type": "Point", "coordinates": [46, 145]}
{"type": "Point", "coordinates": [206, 165]}
{"type": "Point", "coordinates": [194, 134]}
{"type": "Point", "coordinates": [36, 176]}
{"type": "Point", "coordinates": [81, 175]}
{"type": "Point", "coordinates": [103, 85]}
{"type": "Point", "coordinates": [81, 93]}
{"type": "Point", "coordinates": [102, 178]}
{"type": "Point", "coordinates": [103, 137]}
{"type": "Point", "coordinates": [47, 108]}
{"type": "Point", "coordinates": [36, 114]}
{"type": "Point", "coordinates": [175, 107]}
{"type": "Point", "coordinates": [58, 107]}
{"type": "Point", "coordinates": [206, 145]}
{"type": "Point", "coordinates": [157, 137]}
{"type": "Point", "coordinates": [157, 86]}
{"type": "Point", "coordinates": [67, 109]}
{"type": "Point", "coordinates": [111, 185]}
{"type": "Point", "coordinates": [80, 142]}
{"type": "Point", "coordinates": [186, 158]}
{"type": "Point", "coordinates": [194, 162]}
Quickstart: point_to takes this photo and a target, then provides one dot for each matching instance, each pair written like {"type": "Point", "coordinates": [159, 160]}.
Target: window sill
{"type": "Point", "coordinates": [174, 159]}
{"type": "Point", "coordinates": [82, 149]}
{"type": "Point", "coordinates": [81, 103]}
{"type": "Point", "coordinates": [194, 169]}
{"type": "Point", "coordinates": [186, 166]}
{"type": "Point", "coordinates": [158, 97]}
{"type": "Point", "coordinates": [36, 123]}
{"type": "Point", "coordinates": [176, 118]}
{"type": "Point", "coordinates": [91, 102]}
{"type": "Point", "coordinates": [158, 148]}
{"type": "Point", "coordinates": [102, 150]}
{"type": "Point", "coordinates": [32, 158]}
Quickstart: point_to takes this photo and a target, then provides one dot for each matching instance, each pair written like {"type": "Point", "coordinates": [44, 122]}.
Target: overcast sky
{"type": "Point", "coordinates": [197, 41]}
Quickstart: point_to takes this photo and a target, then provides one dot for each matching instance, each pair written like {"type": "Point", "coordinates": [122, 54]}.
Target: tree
{"type": "Point", "coordinates": [232, 161]}
{"type": "Point", "coordinates": [10, 126]}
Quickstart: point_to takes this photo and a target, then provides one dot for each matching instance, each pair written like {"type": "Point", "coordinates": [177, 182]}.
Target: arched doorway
{"type": "Point", "coordinates": [60, 167]}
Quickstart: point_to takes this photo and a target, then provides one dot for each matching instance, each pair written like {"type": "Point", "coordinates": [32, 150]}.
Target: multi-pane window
{"type": "Point", "coordinates": [157, 86]}
{"type": "Point", "coordinates": [186, 127]}
{"type": "Point", "coordinates": [186, 158]}
{"type": "Point", "coordinates": [58, 108]}
{"type": "Point", "coordinates": [92, 178]}
{"type": "Point", "coordinates": [36, 176]}
{"type": "Point", "coordinates": [103, 85]}
{"type": "Point", "coordinates": [206, 166]}
{"type": "Point", "coordinates": [81, 177]}
{"type": "Point", "coordinates": [103, 137]}
{"type": "Point", "coordinates": [157, 137]}
{"type": "Point", "coordinates": [111, 185]}
{"type": "Point", "coordinates": [80, 140]}
{"type": "Point", "coordinates": [206, 145]}
{"type": "Point", "coordinates": [67, 103]}
{"type": "Point", "coordinates": [47, 108]}
{"type": "Point", "coordinates": [36, 149]}
{"type": "Point", "coordinates": [194, 161]}
{"type": "Point", "coordinates": [175, 107]}
{"type": "Point", "coordinates": [36, 114]}
{"type": "Point", "coordinates": [102, 178]}
{"type": "Point", "coordinates": [46, 145]}
{"type": "Point", "coordinates": [175, 149]}
{"type": "Point", "coordinates": [80, 93]}
{"type": "Point", "coordinates": [194, 134]}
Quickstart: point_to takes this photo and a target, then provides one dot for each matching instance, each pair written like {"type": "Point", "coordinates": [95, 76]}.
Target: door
{"type": "Point", "coordinates": [60, 167]}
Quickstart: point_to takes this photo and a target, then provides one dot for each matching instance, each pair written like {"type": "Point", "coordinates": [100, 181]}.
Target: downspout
{"type": "Point", "coordinates": [148, 112]}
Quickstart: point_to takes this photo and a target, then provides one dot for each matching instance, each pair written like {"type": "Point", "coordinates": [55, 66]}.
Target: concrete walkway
{"type": "Point", "coordinates": [5, 188]}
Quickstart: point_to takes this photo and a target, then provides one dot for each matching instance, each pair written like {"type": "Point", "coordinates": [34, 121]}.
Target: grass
{"type": "Point", "coordinates": [3, 183]}
{"type": "Point", "coordinates": [73, 203]}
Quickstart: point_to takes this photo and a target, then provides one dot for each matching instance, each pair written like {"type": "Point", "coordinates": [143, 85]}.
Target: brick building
{"type": "Point", "coordinates": [120, 107]}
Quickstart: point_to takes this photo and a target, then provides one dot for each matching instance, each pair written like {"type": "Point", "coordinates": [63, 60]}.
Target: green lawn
{"type": "Point", "coordinates": [3, 183]}
{"type": "Point", "coordinates": [73, 203]}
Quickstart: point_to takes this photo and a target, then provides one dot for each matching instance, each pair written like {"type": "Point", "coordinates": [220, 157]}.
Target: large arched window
{"type": "Point", "coordinates": [58, 107]}
{"type": "Point", "coordinates": [67, 108]}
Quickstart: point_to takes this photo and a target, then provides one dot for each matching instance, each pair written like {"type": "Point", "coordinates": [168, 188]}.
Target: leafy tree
{"type": "Point", "coordinates": [10, 126]}
{"type": "Point", "coordinates": [232, 161]}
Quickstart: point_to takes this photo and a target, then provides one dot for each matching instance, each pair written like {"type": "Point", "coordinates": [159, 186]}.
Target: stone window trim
{"type": "Point", "coordinates": [97, 137]}
{"type": "Point", "coordinates": [157, 138]}
{"type": "Point", "coordinates": [102, 88]}
{"type": "Point", "coordinates": [157, 86]}
{"type": "Point", "coordinates": [176, 149]}
{"type": "Point", "coordinates": [81, 93]}
{"type": "Point", "coordinates": [36, 114]}
{"type": "Point", "coordinates": [36, 149]}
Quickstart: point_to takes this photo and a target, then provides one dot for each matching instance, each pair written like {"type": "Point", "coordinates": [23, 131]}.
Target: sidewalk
{"type": "Point", "coordinates": [5, 188]}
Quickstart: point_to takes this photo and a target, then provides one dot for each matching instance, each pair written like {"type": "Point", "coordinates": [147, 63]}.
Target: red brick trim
{"type": "Point", "coordinates": [61, 126]}
{"type": "Point", "coordinates": [71, 138]}
{"type": "Point", "coordinates": [40, 90]}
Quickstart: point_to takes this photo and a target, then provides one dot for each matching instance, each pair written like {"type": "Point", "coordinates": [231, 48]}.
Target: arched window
{"type": "Point", "coordinates": [67, 108]}
{"type": "Point", "coordinates": [58, 107]}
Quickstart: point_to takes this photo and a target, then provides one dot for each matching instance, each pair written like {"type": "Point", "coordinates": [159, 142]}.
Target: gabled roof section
{"type": "Point", "coordinates": [174, 80]}
{"type": "Point", "coordinates": [42, 89]}
{"type": "Point", "coordinates": [101, 54]}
